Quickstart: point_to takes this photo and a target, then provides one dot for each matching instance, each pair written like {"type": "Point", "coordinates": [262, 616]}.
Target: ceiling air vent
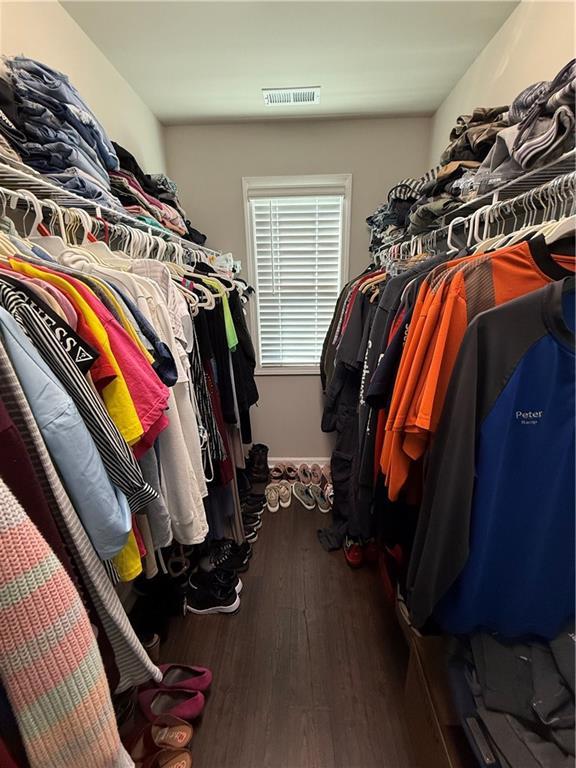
{"type": "Point", "coordinates": [283, 97]}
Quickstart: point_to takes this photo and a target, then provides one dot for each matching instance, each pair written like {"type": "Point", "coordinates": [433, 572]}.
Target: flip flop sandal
{"type": "Point", "coordinates": [166, 732]}
{"type": "Point", "coordinates": [277, 472]}
{"type": "Point", "coordinates": [316, 473]}
{"type": "Point", "coordinates": [304, 474]}
{"type": "Point", "coordinates": [291, 471]}
{"type": "Point", "coordinates": [168, 758]}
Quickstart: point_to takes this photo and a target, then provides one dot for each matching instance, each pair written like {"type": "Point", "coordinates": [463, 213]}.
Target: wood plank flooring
{"type": "Point", "coordinates": [309, 673]}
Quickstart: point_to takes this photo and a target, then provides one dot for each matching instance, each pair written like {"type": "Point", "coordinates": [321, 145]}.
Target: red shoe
{"type": "Point", "coordinates": [354, 553]}
{"type": "Point", "coordinates": [185, 677]}
{"type": "Point", "coordinates": [184, 704]}
{"type": "Point", "coordinates": [372, 552]}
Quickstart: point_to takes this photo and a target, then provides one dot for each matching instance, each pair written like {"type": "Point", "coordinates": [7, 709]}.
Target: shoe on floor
{"type": "Point", "coordinates": [202, 600]}
{"type": "Point", "coordinates": [258, 462]}
{"type": "Point", "coordinates": [253, 509]}
{"type": "Point", "coordinates": [320, 498]}
{"type": "Point", "coordinates": [184, 677]}
{"type": "Point", "coordinates": [219, 578]}
{"type": "Point", "coordinates": [277, 472]}
{"type": "Point", "coordinates": [353, 552]}
{"type": "Point", "coordinates": [372, 552]}
{"type": "Point", "coordinates": [253, 522]}
{"type": "Point", "coordinates": [228, 555]}
{"type": "Point", "coordinates": [284, 493]}
{"type": "Point", "coordinates": [303, 494]}
{"type": "Point", "coordinates": [316, 474]}
{"type": "Point", "coordinates": [304, 474]}
{"type": "Point", "coordinates": [184, 704]}
{"type": "Point", "coordinates": [272, 497]}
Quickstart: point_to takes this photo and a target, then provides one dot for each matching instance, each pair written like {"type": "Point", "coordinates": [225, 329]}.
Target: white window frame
{"type": "Point", "coordinates": [285, 186]}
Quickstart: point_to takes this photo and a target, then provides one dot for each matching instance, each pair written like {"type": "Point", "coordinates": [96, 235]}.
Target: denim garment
{"type": "Point", "coordinates": [59, 156]}
{"type": "Point", "coordinates": [42, 126]}
{"type": "Point", "coordinates": [52, 83]}
{"type": "Point", "coordinates": [75, 181]}
{"type": "Point", "coordinates": [102, 509]}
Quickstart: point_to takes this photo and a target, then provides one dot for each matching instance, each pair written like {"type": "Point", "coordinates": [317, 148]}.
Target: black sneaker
{"type": "Point", "coordinates": [228, 555]}
{"type": "Point", "coordinates": [202, 600]}
{"type": "Point", "coordinates": [251, 535]}
{"type": "Point", "coordinates": [253, 499]}
{"type": "Point", "coordinates": [253, 522]}
{"type": "Point", "coordinates": [253, 509]}
{"type": "Point", "coordinates": [217, 579]}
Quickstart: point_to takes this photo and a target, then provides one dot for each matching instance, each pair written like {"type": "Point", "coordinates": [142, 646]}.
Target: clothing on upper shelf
{"type": "Point", "coordinates": [487, 149]}
{"type": "Point", "coordinates": [46, 124]}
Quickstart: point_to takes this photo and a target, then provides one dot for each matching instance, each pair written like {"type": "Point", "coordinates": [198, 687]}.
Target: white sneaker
{"type": "Point", "coordinates": [285, 493]}
{"type": "Point", "coordinates": [272, 493]}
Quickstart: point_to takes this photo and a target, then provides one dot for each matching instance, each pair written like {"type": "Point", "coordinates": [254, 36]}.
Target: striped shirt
{"type": "Point", "coordinates": [117, 457]}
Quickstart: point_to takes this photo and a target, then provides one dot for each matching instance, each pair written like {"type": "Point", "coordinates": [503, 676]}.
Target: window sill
{"type": "Point", "coordinates": [288, 370]}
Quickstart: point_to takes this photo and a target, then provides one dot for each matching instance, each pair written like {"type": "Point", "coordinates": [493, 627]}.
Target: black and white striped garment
{"type": "Point", "coordinates": [121, 466]}
{"type": "Point", "coordinates": [207, 419]}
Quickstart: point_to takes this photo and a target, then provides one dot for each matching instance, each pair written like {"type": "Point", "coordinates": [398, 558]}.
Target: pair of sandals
{"type": "Point", "coordinates": [306, 473]}
{"type": "Point", "coordinates": [162, 744]}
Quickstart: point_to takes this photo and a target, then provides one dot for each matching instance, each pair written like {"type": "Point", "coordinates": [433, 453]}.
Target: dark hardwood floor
{"type": "Point", "coordinates": [309, 673]}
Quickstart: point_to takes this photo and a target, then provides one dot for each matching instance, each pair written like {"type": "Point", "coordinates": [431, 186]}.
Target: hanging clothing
{"type": "Point", "coordinates": [57, 686]}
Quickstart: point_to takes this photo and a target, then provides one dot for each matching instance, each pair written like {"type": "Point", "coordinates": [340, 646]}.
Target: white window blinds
{"type": "Point", "coordinates": [297, 243]}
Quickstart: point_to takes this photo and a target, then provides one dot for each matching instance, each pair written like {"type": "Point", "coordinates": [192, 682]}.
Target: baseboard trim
{"type": "Point", "coordinates": [305, 460]}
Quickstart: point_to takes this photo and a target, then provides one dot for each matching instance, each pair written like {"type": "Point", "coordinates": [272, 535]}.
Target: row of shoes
{"type": "Point", "coordinates": [311, 496]}
{"type": "Point", "coordinates": [308, 474]}
{"type": "Point", "coordinates": [169, 706]}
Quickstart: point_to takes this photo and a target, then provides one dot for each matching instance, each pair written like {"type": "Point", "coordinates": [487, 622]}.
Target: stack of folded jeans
{"type": "Point", "coordinates": [56, 129]}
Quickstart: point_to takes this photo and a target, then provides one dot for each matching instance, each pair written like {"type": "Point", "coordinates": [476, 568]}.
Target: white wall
{"type": "Point", "coordinates": [534, 43]}
{"type": "Point", "coordinates": [208, 163]}
{"type": "Point", "coordinates": [46, 32]}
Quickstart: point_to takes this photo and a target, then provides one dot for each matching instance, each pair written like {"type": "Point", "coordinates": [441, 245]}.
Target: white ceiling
{"type": "Point", "coordinates": [208, 61]}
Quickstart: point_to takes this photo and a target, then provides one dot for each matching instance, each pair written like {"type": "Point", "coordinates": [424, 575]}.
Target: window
{"type": "Point", "coordinates": [297, 230]}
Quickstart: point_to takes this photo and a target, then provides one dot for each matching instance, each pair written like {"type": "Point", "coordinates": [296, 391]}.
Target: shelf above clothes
{"type": "Point", "coordinates": [19, 177]}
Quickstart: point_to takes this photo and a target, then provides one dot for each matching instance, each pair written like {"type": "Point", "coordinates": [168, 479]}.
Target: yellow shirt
{"type": "Point", "coordinates": [127, 561]}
